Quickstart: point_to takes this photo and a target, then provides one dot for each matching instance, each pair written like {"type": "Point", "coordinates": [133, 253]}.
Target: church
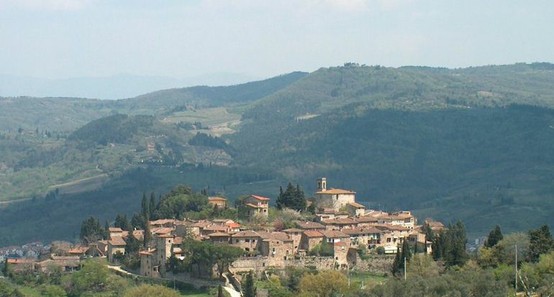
{"type": "Point", "coordinates": [332, 198]}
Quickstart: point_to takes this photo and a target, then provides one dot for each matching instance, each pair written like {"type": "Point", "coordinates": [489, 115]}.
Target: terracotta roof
{"type": "Point", "coordinates": [20, 261]}
{"type": "Point", "coordinates": [215, 198]}
{"type": "Point", "coordinates": [338, 221]}
{"type": "Point", "coordinates": [78, 250]}
{"type": "Point", "coordinates": [292, 230]}
{"type": "Point", "coordinates": [367, 219]}
{"type": "Point", "coordinates": [333, 234]}
{"type": "Point", "coordinates": [340, 243]}
{"type": "Point", "coordinates": [233, 225]}
{"type": "Point", "coordinates": [115, 229]}
{"type": "Point", "coordinates": [247, 233]}
{"type": "Point", "coordinates": [163, 230]}
{"type": "Point", "coordinates": [333, 191]}
{"type": "Point", "coordinates": [162, 222]}
{"type": "Point", "coordinates": [309, 225]}
{"type": "Point", "coordinates": [219, 234]}
{"type": "Point", "coordinates": [262, 198]}
{"type": "Point", "coordinates": [281, 236]}
{"type": "Point", "coordinates": [118, 241]}
{"type": "Point", "coordinates": [147, 253]}
{"type": "Point", "coordinates": [312, 233]}
{"type": "Point", "coordinates": [356, 205]}
{"type": "Point", "coordinates": [256, 206]}
{"type": "Point", "coordinates": [178, 240]}
{"type": "Point", "coordinates": [357, 231]}
{"type": "Point", "coordinates": [215, 228]}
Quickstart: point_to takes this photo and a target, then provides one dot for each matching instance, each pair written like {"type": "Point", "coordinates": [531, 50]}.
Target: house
{"type": "Point", "coordinates": [369, 237]}
{"type": "Point", "coordinates": [277, 246]}
{"type": "Point", "coordinates": [310, 238]}
{"type": "Point", "coordinates": [256, 205]}
{"type": "Point", "coordinates": [355, 209]}
{"type": "Point", "coordinates": [21, 264]}
{"type": "Point", "coordinates": [63, 263]}
{"type": "Point", "coordinates": [218, 202]}
{"type": "Point", "coordinates": [296, 235]}
{"type": "Point", "coordinates": [116, 245]}
{"type": "Point", "coordinates": [148, 263]}
{"type": "Point", "coordinates": [247, 240]}
{"type": "Point", "coordinates": [335, 198]}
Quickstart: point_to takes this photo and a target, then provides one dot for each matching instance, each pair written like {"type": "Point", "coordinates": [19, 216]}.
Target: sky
{"type": "Point", "coordinates": [62, 39]}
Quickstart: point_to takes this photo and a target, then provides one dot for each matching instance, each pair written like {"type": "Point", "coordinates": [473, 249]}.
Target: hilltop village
{"type": "Point", "coordinates": [341, 232]}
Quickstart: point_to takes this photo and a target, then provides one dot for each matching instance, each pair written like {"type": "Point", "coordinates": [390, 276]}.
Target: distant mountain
{"type": "Point", "coordinates": [109, 87]}
{"type": "Point", "coordinates": [471, 144]}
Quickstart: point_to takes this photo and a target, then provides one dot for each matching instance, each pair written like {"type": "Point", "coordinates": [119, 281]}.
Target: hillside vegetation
{"type": "Point", "coordinates": [471, 144]}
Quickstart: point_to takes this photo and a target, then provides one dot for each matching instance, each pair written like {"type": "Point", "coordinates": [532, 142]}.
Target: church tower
{"type": "Point", "coordinates": [322, 184]}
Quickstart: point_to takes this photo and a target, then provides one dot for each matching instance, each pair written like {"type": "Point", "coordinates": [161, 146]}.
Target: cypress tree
{"type": "Point", "coordinates": [248, 287]}
{"type": "Point", "coordinates": [494, 237]}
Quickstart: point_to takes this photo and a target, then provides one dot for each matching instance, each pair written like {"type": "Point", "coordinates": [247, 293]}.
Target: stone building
{"type": "Point", "coordinates": [256, 205]}
{"type": "Point", "coordinates": [335, 198]}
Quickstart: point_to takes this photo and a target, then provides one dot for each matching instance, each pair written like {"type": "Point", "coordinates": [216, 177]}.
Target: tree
{"type": "Point", "coordinates": [402, 257]}
{"type": "Point", "coordinates": [292, 197]}
{"type": "Point", "coordinates": [324, 284]}
{"type": "Point", "coordinates": [147, 234]}
{"type": "Point", "coordinates": [220, 291]}
{"type": "Point", "coordinates": [145, 207]}
{"type": "Point", "coordinates": [494, 237]}
{"type": "Point", "coordinates": [248, 286]}
{"type": "Point", "coordinates": [152, 205]}
{"type": "Point", "coordinates": [122, 222]}
{"type": "Point", "coordinates": [91, 230]}
{"type": "Point", "coordinates": [53, 291]}
{"type": "Point", "coordinates": [541, 242]}
{"type": "Point", "coordinates": [450, 245]}
{"type": "Point", "coordinates": [5, 268]}
{"type": "Point", "coordinates": [91, 278]}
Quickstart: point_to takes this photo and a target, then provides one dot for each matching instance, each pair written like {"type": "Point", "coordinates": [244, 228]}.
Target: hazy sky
{"type": "Point", "coordinates": [74, 38]}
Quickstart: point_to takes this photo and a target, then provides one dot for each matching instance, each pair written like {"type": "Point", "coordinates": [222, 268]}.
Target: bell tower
{"type": "Point", "coordinates": [321, 184]}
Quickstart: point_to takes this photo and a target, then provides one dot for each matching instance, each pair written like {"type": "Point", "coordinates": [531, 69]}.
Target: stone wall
{"type": "Point", "coordinates": [378, 264]}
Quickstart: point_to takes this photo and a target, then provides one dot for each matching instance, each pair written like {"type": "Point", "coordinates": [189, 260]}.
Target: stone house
{"type": "Point", "coordinates": [256, 205]}
{"type": "Point", "coordinates": [116, 245]}
{"type": "Point", "coordinates": [218, 202]}
{"type": "Point", "coordinates": [364, 236]}
{"type": "Point", "coordinates": [296, 235]}
{"type": "Point", "coordinates": [247, 240]}
{"type": "Point", "coordinates": [355, 209]}
{"type": "Point", "coordinates": [340, 223]}
{"type": "Point", "coordinates": [149, 265]}
{"type": "Point", "coordinates": [310, 238]}
{"type": "Point", "coordinates": [334, 236]}
{"type": "Point", "coordinates": [277, 246]}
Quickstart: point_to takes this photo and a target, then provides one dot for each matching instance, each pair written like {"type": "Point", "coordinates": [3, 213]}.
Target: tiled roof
{"type": "Point", "coordinates": [312, 233]}
{"type": "Point", "coordinates": [247, 233]}
{"type": "Point", "coordinates": [219, 234]}
{"type": "Point", "coordinates": [333, 234]}
{"type": "Point", "coordinates": [115, 229]}
{"type": "Point", "coordinates": [256, 206]}
{"type": "Point", "coordinates": [333, 191]}
{"type": "Point", "coordinates": [292, 230]}
{"type": "Point", "coordinates": [358, 231]}
{"type": "Point", "coordinates": [215, 198]}
{"type": "Point", "coordinates": [309, 225]}
{"type": "Point", "coordinates": [117, 241]}
{"type": "Point", "coordinates": [261, 198]}
{"type": "Point", "coordinates": [356, 205]}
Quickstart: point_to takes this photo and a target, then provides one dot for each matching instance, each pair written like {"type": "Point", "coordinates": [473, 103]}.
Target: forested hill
{"type": "Point", "coordinates": [472, 144]}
